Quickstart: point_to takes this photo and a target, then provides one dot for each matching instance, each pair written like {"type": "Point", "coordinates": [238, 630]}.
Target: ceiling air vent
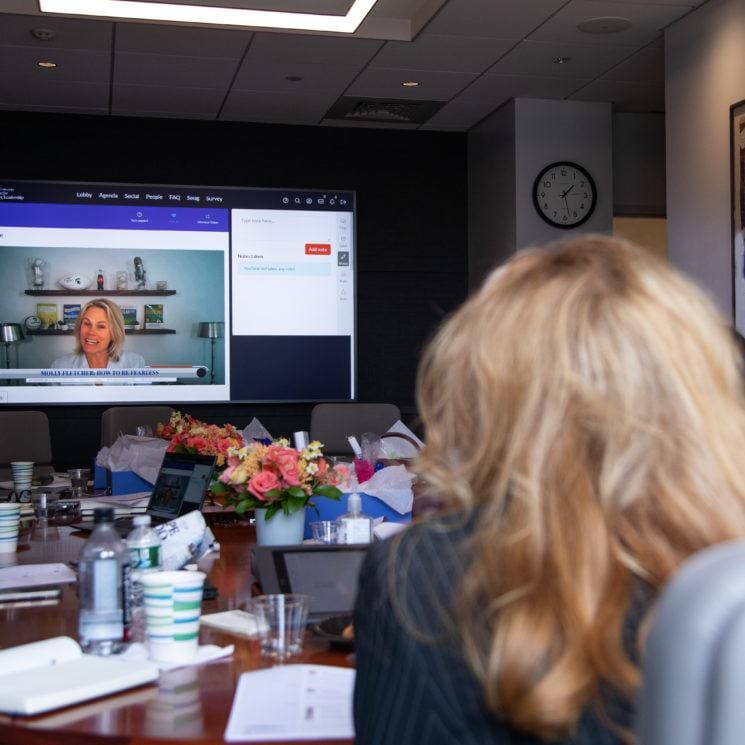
{"type": "Point", "coordinates": [383, 110]}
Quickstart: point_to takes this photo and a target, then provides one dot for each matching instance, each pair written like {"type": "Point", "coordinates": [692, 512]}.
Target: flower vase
{"type": "Point", "coordinates": [281, 530]}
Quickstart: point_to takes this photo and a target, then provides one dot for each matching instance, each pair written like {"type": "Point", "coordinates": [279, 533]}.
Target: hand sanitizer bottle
{"type": "Point", "coordinates": [354, 527]}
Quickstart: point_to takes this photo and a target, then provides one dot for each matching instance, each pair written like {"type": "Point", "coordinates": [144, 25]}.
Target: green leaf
{"type": "Point", "coordinates": [292, 504]}
{"type": "Point", "coordinates": [272, 510]}
{"type": "Point", "coordinates": [243, 506]}
{"type": "Point", "coordinates": [272, 495]}
{"type": "Point", "coordinates": [295, 491]}
{"type": "Point", "coordinates": [329, 492]}
{"type": "Point", "coordinates": [217, 487]}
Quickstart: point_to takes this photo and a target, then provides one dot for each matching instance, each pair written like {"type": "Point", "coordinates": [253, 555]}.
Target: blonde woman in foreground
{"type": "Point", "coordinates": [584, 425]}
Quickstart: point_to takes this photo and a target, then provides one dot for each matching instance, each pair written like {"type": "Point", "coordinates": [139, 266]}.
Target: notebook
{"type": "Point", "coordinates": [181, 486]}
{"type": "Point", "coordinates": [327, 573]}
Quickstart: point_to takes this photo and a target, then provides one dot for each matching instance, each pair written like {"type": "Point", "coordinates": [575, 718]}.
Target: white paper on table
{"type": "Point", "coordinates": [293, 702]}
{"type": "Point", "coordinates": [385, 530]}
{"type": "Point", "coordinates": [137, 652]}
{"type": "Point", "coordinates": [233, 621]}
{"type": "Point", "coordinates": [35, 575]}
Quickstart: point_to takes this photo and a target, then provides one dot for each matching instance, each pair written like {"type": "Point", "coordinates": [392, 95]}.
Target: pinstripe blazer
{"type": "Point", "coordinates": [413, 686]}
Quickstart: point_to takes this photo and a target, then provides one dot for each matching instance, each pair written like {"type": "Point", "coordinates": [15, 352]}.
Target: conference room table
{"type": "Point", "coordinates": [189, 705]}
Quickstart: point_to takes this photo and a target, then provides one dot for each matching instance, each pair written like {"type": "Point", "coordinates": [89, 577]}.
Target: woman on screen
{"type": "Point", "coordinates": [99, 338]}
{"type": "Point", "coordinates": [584, 421]}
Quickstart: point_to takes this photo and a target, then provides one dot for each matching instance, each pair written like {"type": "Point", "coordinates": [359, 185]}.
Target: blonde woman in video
{"type": "Point", "coordinates": [584, 426]}
{"type": "Point", "coordinates": [99, 339]}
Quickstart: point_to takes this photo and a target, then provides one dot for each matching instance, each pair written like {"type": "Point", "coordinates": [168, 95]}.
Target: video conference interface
{"type": "Point", "coordinates": [221, 294]}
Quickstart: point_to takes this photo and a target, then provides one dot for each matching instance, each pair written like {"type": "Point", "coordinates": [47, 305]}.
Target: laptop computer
{"type": "Point", "coordinates": [181, 486]}
{"type": "Point", "coordinates": [327, 573]}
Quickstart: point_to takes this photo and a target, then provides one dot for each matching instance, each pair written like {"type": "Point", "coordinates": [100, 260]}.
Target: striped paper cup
{"type": "Point", "coordinates": [10, 516]}
{"type": "Point", "coordinates": [173, 604]}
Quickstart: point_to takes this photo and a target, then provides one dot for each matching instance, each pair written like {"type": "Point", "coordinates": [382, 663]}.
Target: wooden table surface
{"type": "Point", "coordinates": [190, 704]}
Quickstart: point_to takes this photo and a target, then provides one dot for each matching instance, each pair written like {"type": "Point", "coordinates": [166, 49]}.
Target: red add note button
{"type": "Point", "coordinates": [317, 249]}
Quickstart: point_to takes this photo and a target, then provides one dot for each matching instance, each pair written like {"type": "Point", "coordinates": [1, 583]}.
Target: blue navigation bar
{"type": "Point", "coordinates": [111, 217]}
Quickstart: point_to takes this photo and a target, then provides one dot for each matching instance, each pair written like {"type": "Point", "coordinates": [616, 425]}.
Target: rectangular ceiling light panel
{"type": "Point", "coordinates": [212, 15]}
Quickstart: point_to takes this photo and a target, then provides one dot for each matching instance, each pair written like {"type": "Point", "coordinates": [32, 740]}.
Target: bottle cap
{"type": "Point", "coordinates": [103, 515]}
{"type": "Point", "coordinates": [141, 520]}
{"type": "Point", "coordinates": [354, 503]}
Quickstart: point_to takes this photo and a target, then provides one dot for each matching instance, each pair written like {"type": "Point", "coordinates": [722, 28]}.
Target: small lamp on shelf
{"type": "Point", "coordinates": [212, 330]}
{"type": "Point", "coordinates": [10, 333]}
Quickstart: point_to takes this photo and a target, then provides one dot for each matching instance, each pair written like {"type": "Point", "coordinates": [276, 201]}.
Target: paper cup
{"type": "Point", "coordinates": [281, 620]}
{"type": "Point", "coordinates": [173, 604]}
{"type": "Point", "coordinates": [10, 517]}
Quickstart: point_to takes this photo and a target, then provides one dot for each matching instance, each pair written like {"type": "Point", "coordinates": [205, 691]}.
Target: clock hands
{"type": "Point", "coordinates": [564, 196]}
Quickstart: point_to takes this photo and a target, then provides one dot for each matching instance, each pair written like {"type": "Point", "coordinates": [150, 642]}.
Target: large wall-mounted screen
{"type": "Point", "coordinates": [145, 293]}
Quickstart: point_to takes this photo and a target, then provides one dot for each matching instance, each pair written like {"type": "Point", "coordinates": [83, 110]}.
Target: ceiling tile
{"type": "Point", "coordinates": [155, 98]}
{"type": "Point", "coordinates": [648, 18]}
{"type": "Point", "coordinates": [459, 114]}
{"type": "Point", "coordinates": [625, 96]}
{"type": "Point", "coordinates": [166, 70]}
{"type": "Point", "coordinates": [258, 76]}
{"type": "Point", "coordinates": [503, 19]}
{"type": "Point", "coordinates": [69, 33]}
{"type": "Point", "coordinates": [78, 95]}
{"type": "Point", "coordinates": [180, 40]}
{"type": "Point", "coordinates": [74, 65]}
{"type": "Point", "coordinates": [382, 82]}
{"type": "Point", "coordinates": [437, 52]}
{"type": "Point", "coordinates": [495, 89]}
{"type": "Point", "coordinates": [276, 106]}
{"type": "Point", "coordinates": [646, 66]}
{"type": "Point", "coordinates": [537, 58]}
{"type": "Point", "coordinates": [303, 48]}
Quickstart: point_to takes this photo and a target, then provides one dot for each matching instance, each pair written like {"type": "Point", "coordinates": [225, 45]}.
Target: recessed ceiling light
{"type": "Point", "coordinates": [143, 10]}
{"type": "Point", "coordinates": [294, 78]}
{"type": "Point", "coordinates": [410, 83]}
{"type": "Point", "coordinates": [605, 25]}
{"type": "Point", "coordinates": [47, 64]}
{"type": "Point", "coordinates": [561, 60]}
{"type": "Point", "coordinates": [43, 34]}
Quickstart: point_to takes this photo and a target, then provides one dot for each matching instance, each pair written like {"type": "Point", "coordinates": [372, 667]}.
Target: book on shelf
{"type": "Point", "coordinates": [153, 315]}
{"type": "Point", "coordinates": [47, 313]}
{"type": "Point", "coordinates": [70, 313]}
{"type": "Point", "coordinates": [46, 675]}
{"type": "Point", "coordinates": [130, 317]}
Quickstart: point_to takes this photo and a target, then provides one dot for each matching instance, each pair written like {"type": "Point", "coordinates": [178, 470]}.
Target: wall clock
{"type": "Point", "coordinates": [564, 194]}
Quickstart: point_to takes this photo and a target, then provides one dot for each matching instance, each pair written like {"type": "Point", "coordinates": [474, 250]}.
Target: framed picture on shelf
{"type": "Point", "coordinates": [737, 171]}
{"type": "Point", "coordinates": [130, 317]}
{"type": "Point", "coordinates": [47, 314]}
{"type": "Point", "coordinates": [154, 315]}
{"type": "Point", "coordinates": [70, 313]}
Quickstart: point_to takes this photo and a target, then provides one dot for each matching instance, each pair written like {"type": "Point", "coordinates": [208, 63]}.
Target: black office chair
{"type": "Point", "coordinates": [124, 420]}
{"type": "Point", "coordinates": [333, 423]}
{"type": "Point", "coordinates": [24, 435]}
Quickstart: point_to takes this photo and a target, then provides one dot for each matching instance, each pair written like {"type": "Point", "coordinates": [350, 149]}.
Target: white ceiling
{"type": "Point", "coordinates": [470, 55]}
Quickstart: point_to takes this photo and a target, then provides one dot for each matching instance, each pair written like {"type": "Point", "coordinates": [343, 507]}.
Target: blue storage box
{"type": "Point", "coordinates": [328, 509]}
{"type": "Point", "coordinates": [120, 482]}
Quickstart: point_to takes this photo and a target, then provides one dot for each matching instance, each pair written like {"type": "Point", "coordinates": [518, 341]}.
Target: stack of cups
{"type": "Point", "coordinates": [173, 605]}
{"type": "Point", "coordinates": [281, 621]}
{"type": "Point", "coordinates": [23, 471]}
{"type": "Point", "coordinates": [10, 517]}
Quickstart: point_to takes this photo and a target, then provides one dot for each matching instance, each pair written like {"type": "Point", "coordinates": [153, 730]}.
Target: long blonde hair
{"type": "Point", "coordinates": [587, 401]}
{"type": "Point", "coordinates": [116, 325]}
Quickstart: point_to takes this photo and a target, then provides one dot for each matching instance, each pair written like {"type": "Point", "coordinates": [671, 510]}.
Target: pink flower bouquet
{"type": "Point", "coordinates": [277, 477]}
{"type": "Point", "coordinates": [188, 435]}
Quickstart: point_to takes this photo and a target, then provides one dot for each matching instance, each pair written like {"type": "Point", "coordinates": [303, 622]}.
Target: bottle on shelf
{"type": "Point", "coordinates": [143, 544]}
{"type": "Point", "coordinates": [104, 587]}
{"type": "Point", "coordinates": [99, 279]}
{"type": "Point", "coordinates": [354, 526]}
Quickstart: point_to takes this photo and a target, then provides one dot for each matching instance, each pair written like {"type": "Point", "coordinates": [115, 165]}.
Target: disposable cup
{"type": "Point", "coordinates": [173, 604]}
{"type": "Point", "coordinates": [324, 531]}
{"type": "Point", "coordinates": [78, 481]}
{"type": "Point", "coordinates": [10, 517]}
{"type": "Point", "coordinates": [281, 620]}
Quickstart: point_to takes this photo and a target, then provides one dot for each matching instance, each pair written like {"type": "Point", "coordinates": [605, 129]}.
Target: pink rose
{"type": "Point", "coordinates": [285, 460]}
{"type": "Point", "coordinates": [261, 483]}
{"type": "Point", "coordinates": [322, 468]}
{"type": "Point", "coordinates": [227, 473]}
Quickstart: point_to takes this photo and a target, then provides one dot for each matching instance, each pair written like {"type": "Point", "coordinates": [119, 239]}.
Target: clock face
{"type": "Point", "coordinates": [564, 194]}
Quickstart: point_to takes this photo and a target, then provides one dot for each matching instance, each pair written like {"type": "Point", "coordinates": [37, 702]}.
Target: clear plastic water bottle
{"type": "Point", "coordinates": [103, 583]}
{"type": "Point", "coordinates": [144, 556]}
{"type": "Point", "coordinates": [354, 526]}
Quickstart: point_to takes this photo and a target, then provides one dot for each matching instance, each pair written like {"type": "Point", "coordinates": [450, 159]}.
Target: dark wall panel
{"type": "Point", "coordinates": [411, 226]}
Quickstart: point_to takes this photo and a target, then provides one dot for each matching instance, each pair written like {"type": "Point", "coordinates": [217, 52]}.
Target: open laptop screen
{"type": "Point", "coordinates": [181, 485]}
